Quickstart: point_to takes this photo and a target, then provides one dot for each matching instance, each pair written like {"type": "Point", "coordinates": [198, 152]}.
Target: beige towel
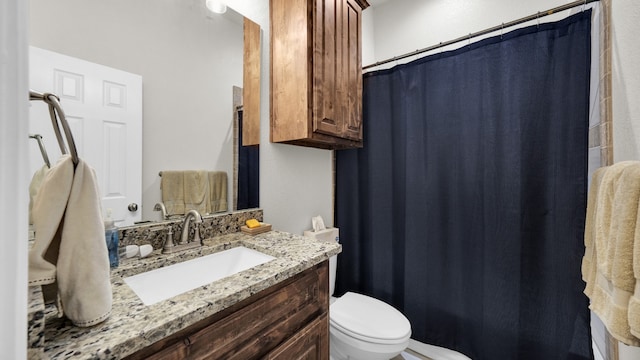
{"type": "Point", "coordinates": [589, 261]}
{"type": "Point", "coordinates": [34, 186]}
{"type": "Point", "coordinates": [217, 191]}
{"type": "Point", "coordinates": [172, 188]}
{"type": "Point", "coordinates": [196, 191]}
{"type": "Point", "coordinates": [615, 224]}
{"type": "Point", "coordinates": [634, 303]}
{"type": "Point", "coordinates": [70, 246]}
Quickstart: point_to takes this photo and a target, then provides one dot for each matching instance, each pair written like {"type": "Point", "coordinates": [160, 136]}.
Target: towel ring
{"type": "Point", "coordinates": [57, 118]}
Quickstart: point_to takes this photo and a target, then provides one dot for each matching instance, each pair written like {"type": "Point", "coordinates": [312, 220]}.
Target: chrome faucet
{"type": "Point", "coordinates": [197, 219]}
{"type": "Point", "coordinates": [184, 244]}
{"type": "Point", "coordinates": [160, 207]}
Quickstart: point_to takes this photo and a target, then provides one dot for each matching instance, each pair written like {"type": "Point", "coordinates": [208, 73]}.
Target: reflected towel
{"type": "Point", "coordinates": [615, 224]}
{"type": "Point", "coordinates": [70, 247]}
{"type": "Point", "coordinates": [217, 191]}
{"type": "Point", "coordinates": [196, 191]}
{"type": "Point", "coordinates": [34, 186]}
{"type": "Point", "coordinates": [172, 188]}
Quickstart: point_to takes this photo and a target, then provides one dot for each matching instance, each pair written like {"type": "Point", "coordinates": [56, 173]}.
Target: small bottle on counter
{"type": "Point", "coordinates": [112, 238]}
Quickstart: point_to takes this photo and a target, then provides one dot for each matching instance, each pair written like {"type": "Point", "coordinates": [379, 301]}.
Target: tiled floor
{"type": "Point", "coordinates": [412, 355]}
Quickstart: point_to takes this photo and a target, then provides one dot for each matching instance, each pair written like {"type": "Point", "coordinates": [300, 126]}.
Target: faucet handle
{"type": "Point", "coordinates": [168, 240]}
{"type": "Point", "coordinates": [196, 236]}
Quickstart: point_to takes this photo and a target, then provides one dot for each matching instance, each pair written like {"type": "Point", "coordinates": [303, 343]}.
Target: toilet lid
{"type": "Point", "coordinates": [368, 319]}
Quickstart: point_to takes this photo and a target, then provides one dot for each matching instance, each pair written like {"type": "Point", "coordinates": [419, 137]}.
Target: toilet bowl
{"type": "Point", "coordinates": [361, 327]}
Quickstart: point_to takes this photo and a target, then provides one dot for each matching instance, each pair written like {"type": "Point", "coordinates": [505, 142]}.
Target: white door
{"type": "Point", "coordinates": [104, 109]}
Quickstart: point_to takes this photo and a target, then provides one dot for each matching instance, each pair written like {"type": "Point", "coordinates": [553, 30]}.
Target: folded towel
{"type": "Point", "coordinates": [615, 217]}
{"type": "Point", "coordinates": [70, 247]}
{"type": "Point", "coordinates": [36, 181]}
{"type": "Point", "coordinates": [196, 191]}
{"type": "Point", "coordinates": [217, 191]}
{"type": "Point", "coordinates": [172, 188]}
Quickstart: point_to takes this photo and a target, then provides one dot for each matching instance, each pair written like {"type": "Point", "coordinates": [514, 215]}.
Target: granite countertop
{"type": "Point", "coordinates": [133, 326]}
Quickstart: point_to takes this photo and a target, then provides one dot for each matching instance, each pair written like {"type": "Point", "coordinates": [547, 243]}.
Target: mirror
{"type": "Point", "coordinates": [190, 59]}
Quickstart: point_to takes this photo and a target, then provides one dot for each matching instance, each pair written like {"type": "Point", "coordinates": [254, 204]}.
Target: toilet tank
{"type": "Point", "coordinates": [329, 234]}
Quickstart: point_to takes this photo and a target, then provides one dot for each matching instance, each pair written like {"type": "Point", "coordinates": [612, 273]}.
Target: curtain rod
{"type": "Point", "coordinates": [484, 32]}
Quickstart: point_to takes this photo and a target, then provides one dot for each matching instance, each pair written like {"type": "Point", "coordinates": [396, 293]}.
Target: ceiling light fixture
{"type": "Point", "coordinates": [216, 6]}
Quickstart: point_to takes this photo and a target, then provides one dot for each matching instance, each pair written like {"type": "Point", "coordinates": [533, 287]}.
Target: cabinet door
{"type": "Point", "coordinates": [337, 77]}
{"type": "Point", "coordinates": [328, 56]}
{"type": "Point", "coordinates": [352, 60]}
{"type": "Point", "coordinates": [312, 343]}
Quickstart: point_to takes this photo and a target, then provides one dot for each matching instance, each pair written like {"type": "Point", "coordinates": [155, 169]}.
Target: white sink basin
{"type": "Point", "coordinates": [163, 283]}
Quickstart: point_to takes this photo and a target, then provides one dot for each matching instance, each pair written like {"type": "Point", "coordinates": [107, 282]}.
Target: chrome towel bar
{"type": "Point", "coordinates": [43, 150]}
{"type": "Point", "coordinates": [57, 118]}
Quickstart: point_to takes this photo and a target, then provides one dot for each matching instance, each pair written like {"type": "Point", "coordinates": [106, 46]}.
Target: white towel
{"type": "Point", "coordinates": [70, 246]}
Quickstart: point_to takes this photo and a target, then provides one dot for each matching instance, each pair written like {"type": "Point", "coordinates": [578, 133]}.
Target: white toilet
{"type": "Point", "coordinates": [361, 327]}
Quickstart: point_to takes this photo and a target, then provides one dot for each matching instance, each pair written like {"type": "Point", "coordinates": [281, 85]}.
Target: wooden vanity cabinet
{"type": "Point", "coordinates": [310, 343]}
{"type": "Point", "coordinates": [286, 321]}
{"type": "Point", "coordinates": [316, 72]}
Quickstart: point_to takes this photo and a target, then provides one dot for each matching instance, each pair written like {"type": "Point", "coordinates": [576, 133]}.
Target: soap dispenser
{"type": "Point", "coordinates": [112, 238]}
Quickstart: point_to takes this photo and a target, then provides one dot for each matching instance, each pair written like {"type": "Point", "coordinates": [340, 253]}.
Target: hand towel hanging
{"type": "Point", "coordinates": [70, 248]}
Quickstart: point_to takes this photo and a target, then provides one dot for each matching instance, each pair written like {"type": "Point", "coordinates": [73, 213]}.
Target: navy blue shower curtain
{"type": "Point", "coordinates": [465, 209]}
{"type": "Point", "coordinates": [248, 172]}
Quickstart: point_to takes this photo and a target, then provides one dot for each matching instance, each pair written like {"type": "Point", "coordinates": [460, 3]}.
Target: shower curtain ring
{"type": "Point", "coordinates": [584, 5]}
{"type": "Point", "coordinates": [501, 30]}
{"type": "Point", "coordinates": [538, 19]}
{"type": "Point", "coordinates": [469, 39]}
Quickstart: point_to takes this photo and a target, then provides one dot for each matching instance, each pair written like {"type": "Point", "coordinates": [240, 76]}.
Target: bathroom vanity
{"type": "Point", "coordinates": [276, 310]}
{"type": "Point", "coordinates": [285, 321]}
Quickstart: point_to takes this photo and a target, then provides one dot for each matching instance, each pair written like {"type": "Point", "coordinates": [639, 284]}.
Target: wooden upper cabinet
{"type": "Point", "coordinates": [251, 84]}
{"type": "Point", "coordinates": [316, 72]}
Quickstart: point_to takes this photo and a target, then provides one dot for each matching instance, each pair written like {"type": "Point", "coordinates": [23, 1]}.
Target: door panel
{"type": "Point", "coordinates": [104, 109]}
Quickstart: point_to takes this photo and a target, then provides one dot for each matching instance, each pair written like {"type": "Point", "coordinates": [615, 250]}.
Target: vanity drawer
{"type": "Point", "coordinates": [254, 327]}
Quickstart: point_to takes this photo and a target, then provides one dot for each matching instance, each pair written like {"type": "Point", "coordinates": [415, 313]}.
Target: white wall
{"type": "Point", "coordinates": [189, 60]}
{"type": "Point", "coordinates": [402, 26]}
{"type": "Point", "coordinates": [625, 25]}
{"type": "Point", "coordinates": [13, 179]}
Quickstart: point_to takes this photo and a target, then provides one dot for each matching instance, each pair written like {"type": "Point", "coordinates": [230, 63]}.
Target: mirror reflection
{"type": "Point", "coordinates": [189, 62]}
